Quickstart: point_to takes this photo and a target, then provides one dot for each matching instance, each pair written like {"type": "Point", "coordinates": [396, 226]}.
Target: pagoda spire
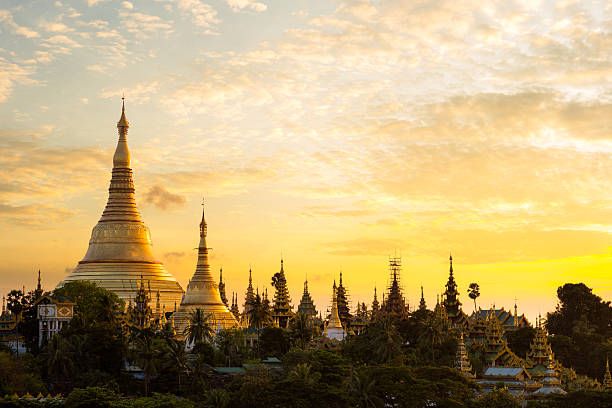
{"type": "Point", "coordinates": [422, 304]}
{"type": "Point", "coordinates": [222, 287]}
{"type": "Point", "coordinates": [334, 329]}
{"type": "Point", "coordinates": [463, 363]}
{"type": "Point", "coordinates": [306, 305]}
{"type": "Point", "coordinates": [375, 306]}
{"type": "Point", "coordinates": [3, 304]}
{"type": "Point", "coordinates": [38, 286]}
{"type": "Point", "coordinates": [607, 381]}
{"type": "Point", "coordinates": [249, 298]}
{"type": "Point", "coordinates": [450, 297]}
{"type": "Point", "coordinates": [203, 291]}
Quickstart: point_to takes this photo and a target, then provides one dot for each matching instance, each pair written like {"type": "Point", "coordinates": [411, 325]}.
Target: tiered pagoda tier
{"type": "Point", "coordinates": [344, 310]}
{"type": "Point", "coordinates": [422, 304]}
{"type": "Point", "coordinates": [306, 305]}
{"type": "Point", "coordinates": [281, 313]}
{"type": "Point", "coordinates": [249, 297]}
{"type": "Point", "coordinates": [607, 382]}
{"type": "Point", "coordinates": [203, 293]}
{"type": "Point", "coordinates": [222, 288]}
{"type": "Point", "coordinates": [463, 363]}
{"type": "Point", "coordinates": [395, 304]}
{"type": "Point", "coordinates": [451, 299]}
{"type": "Point", "coordinates": [375, 306]}
{"type": "Point", "coordinates": [539, 354]}
{"type": "Point", "coordinates": [497, 352]}
{"type": "Point", "coordinates": [120, 248]}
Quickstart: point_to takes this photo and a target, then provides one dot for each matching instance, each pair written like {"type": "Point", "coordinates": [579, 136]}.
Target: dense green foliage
{"type": "Point", "coordinates": [391, 364]}
{"type": "Point", "coordinates": [581, 329]}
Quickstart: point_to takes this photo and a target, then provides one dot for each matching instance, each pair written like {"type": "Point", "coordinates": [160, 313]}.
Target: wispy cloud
{"type": "Point", "coordinates": [238, 5]}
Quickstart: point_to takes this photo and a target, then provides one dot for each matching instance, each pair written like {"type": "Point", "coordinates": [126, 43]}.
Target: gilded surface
{"type": "Point", "coordinates": [120, 249]}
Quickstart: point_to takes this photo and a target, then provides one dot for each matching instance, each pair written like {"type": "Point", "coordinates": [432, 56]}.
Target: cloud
{"type": "Point", "coordinates": [56, 27]}
{"type": "Point", "coordinates": [7, 19]}
{"type": "Point", "coordinates": [12, 74]}
{"type": "Point", "coordinates": [135, 93]}
{"type": "Point", "coordinates": [127, 5]}
{"type": "Point", "coordinates": [238, 5]}
{"type": "Point", "coordinates": [162, 198]}
{"type": "Point", "coordinates": [203, 14]}
{"type": "Point", "coordinates": [92, 3]}
{"type": "Point", "coordinates": [362, 247]}
{"type": "Point", "coordinates": [33, 169]}
{"type": "Point", "coordinates": [33, 215]}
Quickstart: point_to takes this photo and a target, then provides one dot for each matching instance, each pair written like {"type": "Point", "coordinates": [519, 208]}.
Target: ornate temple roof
{"type": "Point", "coordinates": [120, 248]}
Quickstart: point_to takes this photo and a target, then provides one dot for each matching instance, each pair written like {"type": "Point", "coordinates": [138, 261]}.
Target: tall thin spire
{"type": "Point", "coordinates": [39, 287]}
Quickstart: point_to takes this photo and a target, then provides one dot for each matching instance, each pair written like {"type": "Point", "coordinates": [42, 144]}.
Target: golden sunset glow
{"type": "Point", "coordinates": [336, 133]}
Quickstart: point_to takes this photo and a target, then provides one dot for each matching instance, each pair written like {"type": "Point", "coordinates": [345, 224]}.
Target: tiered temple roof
{"type": "Point", "coordinates": [222, 288]}
{"type": "Point", "coordinates": [249, 297]}
{"type": "Point", "coordinates": [451, 299]}
{"type": "Point", "coordinates": [463, 363]}
{"type": "Point", "coordinates": [343, 304]}
{"type": "Point", "coordinates": [395, 305]}
{"type": "Point", "coordinates": [281, 313]}
{"type": "Point", "coordinates": [306, 305]}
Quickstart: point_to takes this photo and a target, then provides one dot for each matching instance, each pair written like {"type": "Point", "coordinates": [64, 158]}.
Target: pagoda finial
{"type": "Point", "coordinates": [221, 275]}
{"type": "Point", "coordinates": [39, 287]}
{"type": "Point", "coordinates": [450, 258]}
{"type": "Point", "coordinates": [203, 226]}
{"type": "Point", "coordinates": [3, 304]}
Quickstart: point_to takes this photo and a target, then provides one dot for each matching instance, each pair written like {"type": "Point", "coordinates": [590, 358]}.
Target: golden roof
{"type": "Point", "coordinates": [203, 292]}
{"type": "Point", "coordinates": [120, 249]}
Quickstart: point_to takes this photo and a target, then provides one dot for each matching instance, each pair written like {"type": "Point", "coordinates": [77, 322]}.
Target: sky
{"type": "Point", "coordinates": [337, 133]}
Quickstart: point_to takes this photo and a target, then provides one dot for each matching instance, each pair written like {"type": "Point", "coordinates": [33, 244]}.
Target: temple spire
{"type": "Point", "coordinates": [39, 287]}
{"type": "Point", "coordinates": [422, 304]}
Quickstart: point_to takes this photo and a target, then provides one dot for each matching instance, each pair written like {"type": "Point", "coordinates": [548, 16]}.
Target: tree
{"type": "Point", "coordinates": [580, 329]}
{"type": "Point", "coordinates": [474, 292]}
{"type": "Point", "coordinates": [363, 390]}
{"type": "Point", "coordinates": [432, 333]}
{"type": "Point", "coordinates": [90, 397]}
{"type": "Point", "coordinates": [231, 344]}
{"type": "Point", "coordinates": [175, 358]}
{"type": "Point", "coordinates": [259, 313]}
{"type": "Point", "coordinates": [217, 398]}
{"type": "Point", "coordinates": [579, 307]}
{"type": "Point", "coordinates": [199, 328]}
{"type": "Point", "coordinates": [519, 340]}
{"type": "Point", "coordinates": [146, 354]}
{"type": "Point", "coordinates": [301, 331]}
{"type": "Point", "coordinates": [499, 398]}
{"type": "Point", "coordinates": [273, 341]}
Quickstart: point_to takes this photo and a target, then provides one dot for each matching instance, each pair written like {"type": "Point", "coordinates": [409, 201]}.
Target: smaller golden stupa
{"type": "Point", "coordinates": [203, 293]}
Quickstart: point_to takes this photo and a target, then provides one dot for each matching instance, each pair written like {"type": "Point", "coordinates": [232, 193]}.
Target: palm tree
{"type": "Point", "coordinates": [198, 329]}
{"type": "Point", "coordinates": [304, 373]}
{"type": "Point", "coordinates": [259, 315]}
{"type": "Point", "coordinates": [176, 357]}
{"type": "Point", "coordinates": [432, 333]}
{"type": "Point", "coordinates": [146, 354]}
{"type": "Point", "coordinates": [230, 343]}
{"type": "Point", "coordinates": [387, 340]}
{"type": "Point", "coordinates": [474, 292]}
{"type": "Point", "coordinates": [61, 357]}
{"type": "Point", "coordinates": [362, 388]}
{"type": "Point", "coordinates": [217, 398]}
{"type": "Point", "coordinates": [300, 329]}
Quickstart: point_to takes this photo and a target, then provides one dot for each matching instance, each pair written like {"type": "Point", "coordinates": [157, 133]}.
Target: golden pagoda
{"type": "Point", "coordinates": [203, 293]}
{"type": "Point", "coordinates": [333, 329]}
{"type": "Point", "coordinates": [120, 248]}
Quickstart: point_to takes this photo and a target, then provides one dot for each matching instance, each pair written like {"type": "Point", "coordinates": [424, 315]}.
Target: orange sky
{"type": "Point", "coordinates": [336, 133]}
